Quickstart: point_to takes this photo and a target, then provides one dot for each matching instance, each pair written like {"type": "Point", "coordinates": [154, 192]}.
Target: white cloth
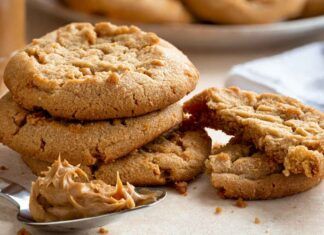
{"type": "Point", "coordinates": [298, 73]}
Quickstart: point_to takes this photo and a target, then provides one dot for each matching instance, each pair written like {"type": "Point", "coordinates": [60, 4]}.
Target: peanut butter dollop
{"type": "Point", "coordinates": [65, 192]}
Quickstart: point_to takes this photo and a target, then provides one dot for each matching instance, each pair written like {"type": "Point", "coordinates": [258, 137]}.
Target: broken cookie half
{"type": "Point", "coordinates": [283, 129]}
{"type": "Point", "coordinates": [239, 170]}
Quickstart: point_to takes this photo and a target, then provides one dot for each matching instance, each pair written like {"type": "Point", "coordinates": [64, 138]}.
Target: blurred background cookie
{"type": "Point", "coordinates": [245, 12]}
{"type": "Point", "coordinates": [313, 8]}
{"type": "Point", "coordinates": [144, 11]}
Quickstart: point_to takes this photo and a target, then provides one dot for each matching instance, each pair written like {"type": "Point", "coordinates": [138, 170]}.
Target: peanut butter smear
{"type": "Point", "coordinates": [65, 192]}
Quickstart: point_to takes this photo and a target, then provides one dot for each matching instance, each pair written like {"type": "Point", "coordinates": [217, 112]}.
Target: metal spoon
{"type": "Point", "coordinates": [19, 196]}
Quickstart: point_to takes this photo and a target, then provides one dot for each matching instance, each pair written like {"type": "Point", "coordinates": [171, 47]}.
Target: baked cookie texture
{"type": "Point", "coordinates": [143, 11]}
{"type": "Point", "coordinates": [241, 171]}
{"type": "Point", "coordinates": [175, 156]}
{"type": "Point", "coordinates": [283, 128]}
{"type": "Point", "coordinates": [39, 135]}
{"type": "Point", "coordinates": [96, 72]}
{"type": "Point", "coordinates": [313, 8]}
{"type": "Point", "coordinates": [245, 12]}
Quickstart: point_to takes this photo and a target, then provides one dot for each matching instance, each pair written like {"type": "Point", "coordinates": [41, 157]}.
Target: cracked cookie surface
{"type": "Point", "coordinates": [38, 135]}
{"type": "Point", "coordinates": [95, 72]}
{"type": "Point", "coordinates": [286, 130]}
{"type": "Point", "coordinates": [240, 171]}
{"type": "Point", "coordinates": [144, 11]}
{"type": "Point", "coordinates": [175, 156]}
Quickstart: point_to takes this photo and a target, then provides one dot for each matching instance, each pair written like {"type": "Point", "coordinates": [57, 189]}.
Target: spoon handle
{"type": "Point", "coordinates": [16, 194]}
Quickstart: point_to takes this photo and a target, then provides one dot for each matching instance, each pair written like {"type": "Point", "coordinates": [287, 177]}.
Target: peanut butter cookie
{"type": "Point", "coordinates": [240, 171]}
{"type": "Point", "coordinates": [245, 12]}
{"type": "Point", "coordinates": [144, 11]}
{"type": "Point", "coordinates": [96, 72]}
{"type": "Point", "coordinates": [283, 128]}
{"type": "Point", "coordinates": [37, 134]}
{"type": "Point", "coordinates": [175, 156]}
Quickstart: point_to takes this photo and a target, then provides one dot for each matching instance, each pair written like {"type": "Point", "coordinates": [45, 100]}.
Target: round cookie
{"type": "Point", "coordinates": [37, 134]}
{"type": "Point", "coordinates": [175, 156]}
{"type": "Point", "coordinates": [87, 72]}
{"type": "Point", "coordinates": [239, 171]}
{"type": "Point", "coordinates": [144, 11]}
{"type": "Point", "coordinates": [245, 12]}
{"type": "Point", "coordinates": [313, 8]}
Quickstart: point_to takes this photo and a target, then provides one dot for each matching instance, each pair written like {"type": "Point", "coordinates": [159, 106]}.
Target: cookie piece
{"type": "Point", "coordinates": [144, 11]}
{"type": "Point", "coordinates": [313, 8]}
{"type": "Point", "coordinates": [37, 134]}
{"type": "Point", "coordinates": [240, 171]}
{"type": "Point", "coordinates": [285, 129]}
{"type": "Point", "coordinates": [176, 156]}
{"type": "Point", "coordinates": [245, 12]}
{"type": "Point", "coordinates": [96, 72]}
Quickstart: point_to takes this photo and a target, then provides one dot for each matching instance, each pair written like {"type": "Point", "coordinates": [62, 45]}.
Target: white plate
{"type": "Point", "coordinates": [208, 35]}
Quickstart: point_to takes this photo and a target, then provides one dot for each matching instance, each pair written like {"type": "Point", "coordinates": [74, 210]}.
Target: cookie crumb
{"type": "Point", "coordinates": [3, 168]}
{"type": "Point", "coordinates": [181, 187]}
{"type": "Point", "coordinates": [102, 230]}
{"type": "Point", "coordinates": [23, 231]}
{"type": "Point", "coordinates": [257, 220]}
{"type": "Point", "coordinates": [195, 187]}
{"type": "Point", "coordinates": [240, 203]}
{"type": "Point", "coordinates": [218, 210]}
{"type": "Point", "coordinates": [113, 78]}
{"type": "Point", "coordinates": [157, 62]}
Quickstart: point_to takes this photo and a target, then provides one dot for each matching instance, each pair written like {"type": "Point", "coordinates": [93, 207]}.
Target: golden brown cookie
{"type": "Point", "coordinates": [245, 12]}
{"type": "Point", "coordinates": [36, 134]}
{"type": "Point", "coordinates": [175, 156]}
{"type": "Point", "coordinates": [240, 171]}
{"type": "Point", "coordinates": [144, 11]}
{"type": "Point", "coordinates": [96, 72]}
{"type": "Point", "coordinates": [313, 8]}
{"type": "Point", "coordinates": [286, 130]}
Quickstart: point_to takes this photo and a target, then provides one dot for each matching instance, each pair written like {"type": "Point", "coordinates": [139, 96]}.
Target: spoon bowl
{"type": "Point", "coordinates": [19, 196]}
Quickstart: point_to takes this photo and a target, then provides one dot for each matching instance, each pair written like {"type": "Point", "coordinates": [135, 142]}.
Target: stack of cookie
{"type": "Point", "coordinates": [278, 144]}
{"type": "Point", "coordinates": [105, 97]}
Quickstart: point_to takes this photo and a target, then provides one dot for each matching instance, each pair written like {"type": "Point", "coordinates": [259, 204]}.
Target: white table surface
{"type": "Point", "coordinates": [193, 214]}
